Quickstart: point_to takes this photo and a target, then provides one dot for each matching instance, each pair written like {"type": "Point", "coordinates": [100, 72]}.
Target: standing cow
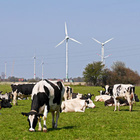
{"type": "Point", "coordinates": [46, 96]}
{"type": "Point", "coordinates": [23, 90]}
{"type": "Point", "coordinates": [125, 91]}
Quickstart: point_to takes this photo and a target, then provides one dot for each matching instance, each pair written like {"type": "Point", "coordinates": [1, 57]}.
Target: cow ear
{"type": "Point", "coordinates": [25, 114]}
{"type": "Point", "coordinates": [87, 101]}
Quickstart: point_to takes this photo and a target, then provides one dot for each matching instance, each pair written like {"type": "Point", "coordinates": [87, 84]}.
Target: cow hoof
{"type": "Point", "coordinates": [45, 130]}
{"type": "Point", "coordinates": [39, 129]}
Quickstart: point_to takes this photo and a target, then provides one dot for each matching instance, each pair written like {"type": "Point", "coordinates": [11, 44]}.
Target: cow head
{"type": "Point", "coordinates": [5, 103]}
{"type": "Point", "coordinates": [33, 117]}
{"type": "Point", "coordinates": [90, 103]}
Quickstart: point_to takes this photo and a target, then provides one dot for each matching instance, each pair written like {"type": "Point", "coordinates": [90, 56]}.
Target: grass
{"type": "Point", "coordinates": [99, 123]}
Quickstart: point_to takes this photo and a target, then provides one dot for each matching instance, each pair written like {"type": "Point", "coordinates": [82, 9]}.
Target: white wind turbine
{"type": "Point", "coordinates": [42, 63]}
{"type": "Point", "coordinates": [66, 39]}
{"type": "Point", "coordinates": [102, 51]}
{"type": "Point", "coordinates": [34, 66]}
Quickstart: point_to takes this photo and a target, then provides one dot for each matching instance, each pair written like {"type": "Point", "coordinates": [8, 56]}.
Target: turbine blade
{"type": "Point", "coordinates": [97, 41]}
{"type": "Point", "coordinates": [107, 56]}
{"type": "Point", "coordinates": [60, 43]}
{"type": "Point", "coordinates": [108, 40]}
{"type": "Point", "coordinates": [75, 40]}
{"type": "Point", "coordinates": [66, 32]}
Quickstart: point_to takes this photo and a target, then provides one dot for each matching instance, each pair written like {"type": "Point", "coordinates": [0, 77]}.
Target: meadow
{"type": "Point", "coordinates": [94, 124]}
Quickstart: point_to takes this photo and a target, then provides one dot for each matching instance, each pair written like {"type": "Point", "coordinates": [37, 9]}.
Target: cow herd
{"type": "Point", "coordinates": [53, 96]}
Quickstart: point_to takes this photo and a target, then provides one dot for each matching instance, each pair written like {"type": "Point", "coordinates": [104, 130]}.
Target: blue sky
{"type": "Point", "coordinates": [36, 27]}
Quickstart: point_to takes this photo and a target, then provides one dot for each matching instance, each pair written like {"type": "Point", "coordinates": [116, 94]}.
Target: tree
{"type": "Point", "coordinates": [93, 73]}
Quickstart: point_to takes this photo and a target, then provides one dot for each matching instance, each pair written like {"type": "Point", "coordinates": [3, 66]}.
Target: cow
{"type": "Point", "coordinates": [7, 96]}
{"type": "Point", "coordinates": [68, 93]}
{"type": "Point", "coordinates": [22, 90]}
{"type": "Point", "coordinates": [76, 105]}
{"type": "Point", "coordinates": [81, 96]}
{"type": "Point", "coordinates": [102, 98]}
{"type": "Point", "coordinates": [125, 91]}
{"type": "Point", "coordinates": [46, 96]}
{"type": "Point", "coordinates": [110, 102]}
{"type": "Point", "coordinates": [101, 92]}
{"type": "Point", "coordinates": [4, 103]}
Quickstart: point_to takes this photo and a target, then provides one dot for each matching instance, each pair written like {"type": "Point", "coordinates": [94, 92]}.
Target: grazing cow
{"type": "Point", "coordinates": [76, 105]}
{"type": "Point", "coordinates": [125, 91]}
{"type": "Point", "coordinates": [4, 103]}
{"type": "Point", "coordinates": [22, 90]}
{"type": "Point", "coordinates": [102, 98]}
{"type": "Point", "coordinates": [68, 93]}
{"type": "Point", "coordinates": [46, 96]}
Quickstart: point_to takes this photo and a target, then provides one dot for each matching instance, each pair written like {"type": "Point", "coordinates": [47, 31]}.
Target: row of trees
{"type": "Point", "coordinates": [96, 74]}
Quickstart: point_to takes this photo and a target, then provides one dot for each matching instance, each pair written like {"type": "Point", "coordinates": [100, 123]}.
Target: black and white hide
{"type": "Point", "coordinates": [46, 97]}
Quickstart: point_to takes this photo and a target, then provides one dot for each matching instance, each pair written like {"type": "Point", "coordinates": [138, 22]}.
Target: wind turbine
{"type": "Point", "coordinates": [42, 63]}
{"type": "Point", "coordinates": [66, 39]}
{"type": "Point", "coordinates": [102, 51]}
{"type": "Point", "coordinates": [34, 66]}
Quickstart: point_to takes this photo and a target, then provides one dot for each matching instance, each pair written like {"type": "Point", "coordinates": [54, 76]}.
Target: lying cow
{"type": "Point", "coordinates": [46, 96]}
{"type": "Point", "coordinates": [76, 105]}
{"type": "Point", "coordinates": [68, 93]}
{"type": "Point", "coordinates": [125, 91]}
{"type": "Point", "coordinates": [110, 102]}
{"type": "Point", "coordinates": [4, 103]}
{"type": "Point", "coordinates": [21, 90]}
{"type": "Point", "coordinates": [81, 96]}
{"type": "Point", "coordinates": [123, 102]}
{"type": "Point", "coordinates": [7, 96]}
{"type": "Point", "coordinates": [102, 98]}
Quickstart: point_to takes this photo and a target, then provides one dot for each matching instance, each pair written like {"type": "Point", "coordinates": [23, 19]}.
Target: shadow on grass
{"type": "Point", "coordinates": [56, 129]}
{"type": "Point", "coordinates": [66, 127]}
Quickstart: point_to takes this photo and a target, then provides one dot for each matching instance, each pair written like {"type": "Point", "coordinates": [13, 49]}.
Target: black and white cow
{"type": "Point", "coordinates": [81, 96]}
{"type": "Point", "coordinates": [4, 103]}
{"type": "Point", "coordinates": [46, 96]}
{"type": "Point", "coordinates": [125, 91]}
{"type": "Point", "coordinates": [8, 96]}
{"type": "Point", "coordinates": [68, 93]}
{"type": "Point", "coordinates": [21, 90]}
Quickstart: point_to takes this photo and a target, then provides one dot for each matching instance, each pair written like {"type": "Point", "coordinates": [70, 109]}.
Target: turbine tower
{"type": "Point", "coordinates": [102, 50]}
{"type": "Point", "coordinates": [42, 63]}
{"type": "Point", "coordinates": [34, 66]}
{"type": "Point", "coordinates": [5, 71]}
{"type": "Point", "coordinates": [66, 39]}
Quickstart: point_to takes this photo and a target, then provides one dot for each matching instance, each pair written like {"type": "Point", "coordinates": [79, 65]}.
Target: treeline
{"type": "Point", "coordinates": [96, 74]}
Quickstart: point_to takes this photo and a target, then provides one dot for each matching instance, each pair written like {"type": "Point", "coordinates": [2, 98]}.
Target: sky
{"type": "Point", "coordinates": [33, 27]}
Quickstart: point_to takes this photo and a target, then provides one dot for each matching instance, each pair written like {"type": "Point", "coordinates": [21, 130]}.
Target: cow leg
{"type": "Point", "coordinates": [54, 125]}
{"type": "Point", "coordinates": [130, 104]}
{"type": "Point", "coordinates": [57, 116]}
{"type": "Point", "coordinates": [39, 122]}
{"type": "Point", "coordinates": [118, 106]}
{"type": "Point", "coordinates": [115, 102]}
{"type": "Point", "coordinates": [53, 122]}
{"type": "Point", "coordinates": [44, 119]}
{"type": "Point", "coordinates": [14, 98]}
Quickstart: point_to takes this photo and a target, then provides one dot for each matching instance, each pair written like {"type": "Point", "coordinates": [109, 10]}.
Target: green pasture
{"type": "Point", "coordinates": [99, 123]}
